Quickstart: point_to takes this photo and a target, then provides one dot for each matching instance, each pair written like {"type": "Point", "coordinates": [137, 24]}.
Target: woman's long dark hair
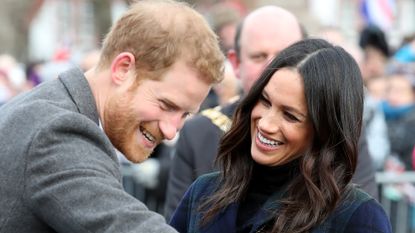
{"type": "Point", "coordinates": [334, 94]}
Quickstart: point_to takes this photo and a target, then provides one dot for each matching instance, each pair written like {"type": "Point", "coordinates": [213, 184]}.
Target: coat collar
{"type": "Point", "coordinates": [78, 88]}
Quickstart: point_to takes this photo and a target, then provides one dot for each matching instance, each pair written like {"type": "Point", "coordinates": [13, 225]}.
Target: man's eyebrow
{"type": "Point", "coordinates": [174, 106]}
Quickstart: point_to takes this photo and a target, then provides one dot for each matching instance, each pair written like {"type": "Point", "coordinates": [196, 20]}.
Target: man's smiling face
{"type": "Point", "coordinates": [138, 119]}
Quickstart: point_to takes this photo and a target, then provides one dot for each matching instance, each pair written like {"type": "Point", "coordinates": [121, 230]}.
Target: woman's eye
{"type": "Point", "coordinates": [264, 101]}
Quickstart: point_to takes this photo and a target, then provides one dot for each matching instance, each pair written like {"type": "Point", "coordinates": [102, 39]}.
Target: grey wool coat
{"type": "Point", "coordinates": [58, 170]}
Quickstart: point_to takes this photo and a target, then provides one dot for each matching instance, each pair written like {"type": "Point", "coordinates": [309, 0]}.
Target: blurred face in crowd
{"type": "Point", "coordinates": [280, 128]}
{"type": "Point", "coordinates": [373, 64]}
{"type": "Point", "coordinates": [400, 91]}
{"type": "Point", "coordinates": [138, 118]}
{"type": "Point", "coordinates": [377, 87]}
{"type": "Point", "coordinates": [264, 34]}
{"type": "Point", "coordinates": [227, 35]}
{"type": "Point", "coordinates": [228, 88]}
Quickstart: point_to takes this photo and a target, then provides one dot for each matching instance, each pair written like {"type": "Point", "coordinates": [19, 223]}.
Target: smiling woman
{"type": "Point", "coordinates": [63, 172]}
{"type": "Point", "coordinates": [280, 128]}
{"type": "Point", "coordinates": [286, 163]}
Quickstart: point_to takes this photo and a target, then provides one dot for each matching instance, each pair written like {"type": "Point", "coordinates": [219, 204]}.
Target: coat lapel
{"type": "Point", "coordinates": [224, 222]}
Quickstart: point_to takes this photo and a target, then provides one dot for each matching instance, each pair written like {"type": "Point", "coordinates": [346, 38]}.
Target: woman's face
{"type": "Point", "coordinates": [280, 128]}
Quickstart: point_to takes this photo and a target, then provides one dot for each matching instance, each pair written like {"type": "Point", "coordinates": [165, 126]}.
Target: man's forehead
{"type": "Point", "coordinates": [272, 22]}
{"type": "Point", "coordinates": [268, 42]}
{"type": "Point", "coordinates": [184, 91]}
{"type": "Point", "coordinates": [262, 42]}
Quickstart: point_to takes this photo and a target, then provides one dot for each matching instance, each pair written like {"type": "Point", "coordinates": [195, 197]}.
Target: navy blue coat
{"type": "Point", "coordinates": [358, 213]}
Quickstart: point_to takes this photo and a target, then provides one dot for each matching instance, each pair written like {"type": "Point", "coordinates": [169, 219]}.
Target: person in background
{"type": "Point", "coordinates": [286, 164]}
{"type": "Point", "coordinates": [374, 125]}
{"type": "Point", "coordinates": [399, 110]}
{"type": "Point", "coordinates": [375, 122]}
{"type": "Point", "coordinates": [400, 100]}
{"type": "Point", "coordinates": [260, 36]}
{"type": "Point", "coordinates": [376, 52]}
{"type": "Point", "coordinates": [58, 142]}
{"type": "Point", "coordinates": [224, 19]}
{"type": "Point", "coordinates": [229, 88]}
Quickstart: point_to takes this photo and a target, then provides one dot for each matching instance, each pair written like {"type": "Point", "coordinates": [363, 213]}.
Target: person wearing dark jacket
{"type": "Point", "coordinates": [255, 45]}
{"type": "Point", "coordinates": [287, 161]}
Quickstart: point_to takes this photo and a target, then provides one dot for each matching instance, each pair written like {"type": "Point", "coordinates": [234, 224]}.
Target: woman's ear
{"type": "Point", "coordinates": [121, 65]}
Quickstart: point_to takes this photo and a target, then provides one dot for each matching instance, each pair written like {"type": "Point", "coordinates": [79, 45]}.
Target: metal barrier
{"type": "Point", "coordinates": [396, 191]}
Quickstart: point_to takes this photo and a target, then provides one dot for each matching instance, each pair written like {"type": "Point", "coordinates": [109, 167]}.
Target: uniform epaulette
{"type": "Point", "coordinates": [218, 118]}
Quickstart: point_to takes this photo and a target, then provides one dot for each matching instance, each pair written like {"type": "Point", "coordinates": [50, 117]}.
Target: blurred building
{"type": "Point", "coordinates": [36, 29]}
{"type": "Point", "coordinates": [76, 25]}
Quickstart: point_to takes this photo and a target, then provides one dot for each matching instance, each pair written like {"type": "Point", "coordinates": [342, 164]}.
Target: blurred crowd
{"type": "Point", "coordinates": [389, 76]}
{"type": "Point", "coordinates": [17, 77]}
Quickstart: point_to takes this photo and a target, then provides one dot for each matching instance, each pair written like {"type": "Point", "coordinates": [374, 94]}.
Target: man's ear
{"type": "Point", "coordinates": [121, 65]}
{"type": "Point", "coordinates": [234, 60]}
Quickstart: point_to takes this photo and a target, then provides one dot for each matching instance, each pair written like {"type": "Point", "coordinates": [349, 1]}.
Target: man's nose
{"type": "Point", "coordinates": [171, 125]}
